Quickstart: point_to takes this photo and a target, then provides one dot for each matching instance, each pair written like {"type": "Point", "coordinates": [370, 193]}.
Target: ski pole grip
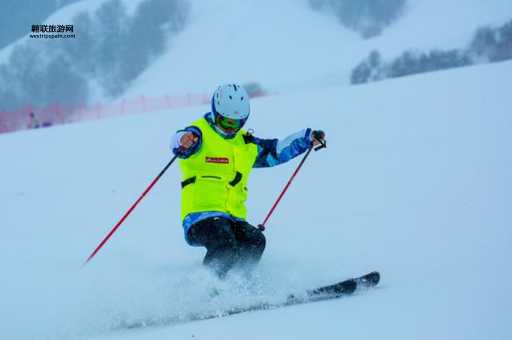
{"type": "Point", "coordinates": [323, 145]}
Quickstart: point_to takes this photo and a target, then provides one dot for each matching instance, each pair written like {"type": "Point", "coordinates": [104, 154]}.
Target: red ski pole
{"type": "Point", "coordinates": [323, 145]}
{"type": "Point", "coordinates": [102, 243]}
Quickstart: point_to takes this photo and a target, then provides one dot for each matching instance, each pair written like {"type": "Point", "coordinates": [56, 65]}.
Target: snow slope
{"type": "Point", "coordinates": [287, 46]}
{"type": "Point", "coordinates": [416, 182]}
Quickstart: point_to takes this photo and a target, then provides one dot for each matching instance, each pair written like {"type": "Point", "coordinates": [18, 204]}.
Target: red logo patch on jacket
{"type": "Point", "coordinates": [218, 160]}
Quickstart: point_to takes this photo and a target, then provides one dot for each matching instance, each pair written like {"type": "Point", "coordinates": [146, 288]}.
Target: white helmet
{"type": "Point", "coordinates": [230, 107]}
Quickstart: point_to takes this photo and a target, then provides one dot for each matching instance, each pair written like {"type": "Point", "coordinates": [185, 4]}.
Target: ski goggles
{"type": "Point", "coordinates": [229, 124]}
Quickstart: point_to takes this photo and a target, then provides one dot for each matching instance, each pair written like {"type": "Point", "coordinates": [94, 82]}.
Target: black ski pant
{"type": "Point", "coordinates": [228, 243]}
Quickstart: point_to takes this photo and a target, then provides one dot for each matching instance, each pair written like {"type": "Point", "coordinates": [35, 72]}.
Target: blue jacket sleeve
{"type": "Point", "coordinates": [272, 152]}
{"type": "Point", "coordinates": [175, 142]}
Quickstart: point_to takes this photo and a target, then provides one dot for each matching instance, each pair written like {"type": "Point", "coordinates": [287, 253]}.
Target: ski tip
{"type": "Point", "coordinates": [372, 279]}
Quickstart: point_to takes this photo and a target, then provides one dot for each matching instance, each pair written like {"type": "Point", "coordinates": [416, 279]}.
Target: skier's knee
{"type": "Point", "coordinates": [213, 233]}
{"type": "Point", "coordinates": [222, 237]}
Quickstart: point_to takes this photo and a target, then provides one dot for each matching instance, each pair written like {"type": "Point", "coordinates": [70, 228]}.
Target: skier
{"type": "Point", "coordinates": [216, 158]}
{"type": "Point", "coordinates": [34, 122]}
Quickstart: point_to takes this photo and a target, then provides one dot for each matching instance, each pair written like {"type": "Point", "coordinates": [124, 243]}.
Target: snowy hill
{"type": "Point", "coordinates": [416, 183]}
{"type": "Point", "coordinates": [286, 46]}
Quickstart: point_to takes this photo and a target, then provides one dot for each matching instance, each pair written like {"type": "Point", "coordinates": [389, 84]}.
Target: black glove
{"type": "Point", "coordinates": [319, 135]}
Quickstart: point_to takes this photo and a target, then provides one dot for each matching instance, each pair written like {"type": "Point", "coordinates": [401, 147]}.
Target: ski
{"type": "Point", "coordinates": [330, 292]}
{"type": "Point", "coordinates": [342, 288]}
